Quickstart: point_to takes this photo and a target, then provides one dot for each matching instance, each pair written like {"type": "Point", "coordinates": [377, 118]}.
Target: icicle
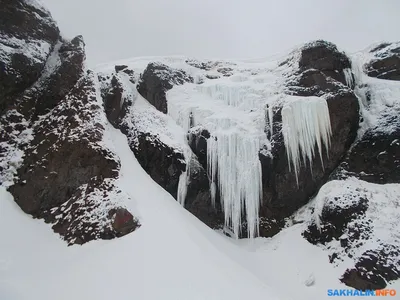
{"type": "Point", "coordinates": [348, 74]}
{"type": "Point", "coordinates": [305, 122]}
{"type": "Point", "coordinates": [235, 118]}
{"type": "Point", "coordinates": [184, 180]}
{"type": "Point", "coordinates": [233, 157]}
{"type": "Point", "coordinates": [270, 118]}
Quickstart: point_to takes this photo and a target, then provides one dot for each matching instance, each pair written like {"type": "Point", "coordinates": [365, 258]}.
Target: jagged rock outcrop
{"type": "Point", "coordinates": [320, 73]}
{"type": "Point", "coordinates": [348, 223]}
{"type": "Point", "coordinates": [156, 80]}
{"type": "Point", "coordinates": [52, 156]}
{"type": "Point", "coordinates": [27, 36]}
{"type": "Point", "coordinates": [375, 158]}
{"type": "Point", "coordinates": [374, 269]}
{"type": "Point", "coordinates": [386, 62]}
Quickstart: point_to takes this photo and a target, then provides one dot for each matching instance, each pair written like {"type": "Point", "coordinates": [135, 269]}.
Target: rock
{"type": "Point", "coordinates": [207, 66]}
{"type": "Point", "coordinates": [55, 166]}
{"type": "Point", "coordinates": [198, 198]}
{"type": "Point", "coordinates": [27, 36]}
{"type": "Point", "coordinates": [123, 221]}
{"type": "Point", "coordinates": [386, 62]}
{"type": "Point", "coordinates": [197, 138]}
{"type": "Point", "coordinates": [163, 163]}
{"type": "Point", "coordinates": [63, 79]}
{"type": "Point", "coordinates": [156, 80]}
{"type": "Point", "coordinates": [225, 71]}
{"type": "Point", "coordinates": [375, 158]}
{"type": "Point", "coordinates": [112, 98]}
{"type": "Point", "coordinates": [374, 269]}
{"type": "Point", "coordinates": [336, 215]}
{"type": "Point", "coordinates": [317, 77]}
{"type": "Point", "coordinates": [120, 68]}
{"type": "Point", "coordinates": [324, 56]}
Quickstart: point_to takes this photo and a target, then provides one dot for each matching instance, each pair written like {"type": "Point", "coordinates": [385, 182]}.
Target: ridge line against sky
{"type": "Point", "coordinates": [221, 28]}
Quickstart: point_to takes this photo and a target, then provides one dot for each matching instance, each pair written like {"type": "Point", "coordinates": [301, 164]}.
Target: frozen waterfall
{"type": "Point", "coordinates": [236, 123]}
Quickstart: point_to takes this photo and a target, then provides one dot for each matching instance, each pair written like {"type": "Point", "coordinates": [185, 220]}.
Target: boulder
{"type": "Point", "coordinates": [374, 269]}
{"type": "Point", "coordinates": [123, 221]}
{"type": "Point", "coordinates": [156, 80]}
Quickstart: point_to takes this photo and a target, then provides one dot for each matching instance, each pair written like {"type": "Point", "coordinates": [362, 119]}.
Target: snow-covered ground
{"type": "Point", "coordinates": [171, 256]}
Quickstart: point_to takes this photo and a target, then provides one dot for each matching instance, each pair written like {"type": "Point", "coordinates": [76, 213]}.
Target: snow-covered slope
{"type": "Point", "coordinates": [172, 256]}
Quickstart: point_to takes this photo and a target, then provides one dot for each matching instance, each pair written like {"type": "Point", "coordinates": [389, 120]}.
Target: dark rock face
{"type": "Point", "coordinates": [163, 163]}
{"type": "Point", "coordinates": [27, 36]}
{"type": "Point", "coordinates": [374, 269]}
{"type": "Point", "coordinates": [62, 80]}
{"type": "Point", "coordinates": [198, 197]}
{"type": "Point", "coordinates": [198, 143]}
{"type": "Point", "coordinates": [156, 80]}
{"type": "Point", "coordinates": [321, 73]}
{"type": "Point", "coordinates": [59, 170]}
{"type": "Point", "coordinates": [386, 62]}
{"type": "Point", "coordinates": [335, 219]}
{"type": "Point", "coordinates": [375, 158]}
{"type": "Point", "coordinates": [323, 56]}
{"type": "Point", "coordinates": [52, 120]}
{"type": "Point", "coordinates": [114, 105]}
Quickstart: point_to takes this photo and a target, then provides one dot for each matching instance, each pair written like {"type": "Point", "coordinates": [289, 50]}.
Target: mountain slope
{"type": "Point", "coordinates": [155, 171]}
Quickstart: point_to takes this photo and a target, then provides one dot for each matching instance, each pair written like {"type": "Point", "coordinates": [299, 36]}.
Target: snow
{"type": "Point", "coordinates": [305, 123]}
{"type": "Point", "coordinates": [172, 256]}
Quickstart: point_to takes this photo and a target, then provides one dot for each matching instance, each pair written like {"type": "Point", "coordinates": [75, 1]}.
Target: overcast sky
{"type": "Point", "coordinates": [117, 29]}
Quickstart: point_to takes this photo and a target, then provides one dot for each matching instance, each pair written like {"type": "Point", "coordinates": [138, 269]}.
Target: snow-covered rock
{"type": "Point", "coordinates": [385, 63]}
{"type": "Point", "coordinates": [27, 36]}
{"type": "Point", "coordinates": [54, 156]}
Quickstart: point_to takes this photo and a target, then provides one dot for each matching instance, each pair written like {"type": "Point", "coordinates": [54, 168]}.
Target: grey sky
{"type": "Point", "coordinates": [117, 29]}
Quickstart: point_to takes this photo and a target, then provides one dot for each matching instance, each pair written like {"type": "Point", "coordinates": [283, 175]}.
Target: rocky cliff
{"type": "Point", "coordinates": [241, 145]}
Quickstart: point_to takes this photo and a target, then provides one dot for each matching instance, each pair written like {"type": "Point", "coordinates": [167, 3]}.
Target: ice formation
{"type": "Point", "coordinates": [348, 74]}
{"type": "Point", "coordinates": [305, 122]}
{"type": "Point", "coordinates": [234, 165]}
{"type": "Point", "coordinates": [235, 117]}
